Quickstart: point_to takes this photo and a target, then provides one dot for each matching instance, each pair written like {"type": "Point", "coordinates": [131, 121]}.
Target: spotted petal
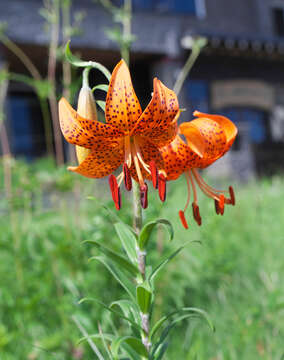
{"type": "Point", "coordinates": [100, 163]}
{"type": "Point", "coordinates": [158, 121]}
{"type": "Point", "coordinates": [206, 138]}
{"type": "Point", "coordinates": [227, 125]}
{"type": "Point", "coordinates": [178, 157]}
{"type": "Point", "coordinates": [122, 106]}
{"type": "Point", "coordinates": [84, 132]}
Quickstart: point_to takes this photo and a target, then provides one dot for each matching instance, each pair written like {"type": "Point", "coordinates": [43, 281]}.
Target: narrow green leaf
{"type": "Point", "coordinates": [135, 343]}
{"type": "Point", "coordinates": [101, 104]}
{"type": "Point", "coordinates": [164, 262]}
{"type": "Point", "coordinates": [118, 275]}
{"type": "Point", "coordinates": [103, 338]}
{"type": "Point", "coordinates": [147, 231]}
{"type": "Point", "coordinates": [75, 61]}
{"type": "Point", "coordinates": [128, 240]}
{"type": "Point", "coordinates": [168, 259]}
{"type": "Point", "coordinates": [112, 311]}
{"type": "Point", "coordinates": [103, 87]}
{"type": "Point", "coordinates": [191, 310]}
{"type": "Point", "coordinates": [128, 308]}
{"type": "Point", "coordinates": [108, 337]}
{"type": "Point", "coordinates": [144, 298]}
{"type": "Point", "coordinates": [117, 258]}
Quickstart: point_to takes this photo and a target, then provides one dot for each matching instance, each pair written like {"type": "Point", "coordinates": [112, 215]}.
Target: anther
{"type": "Point", "coordinates": [115, 191]}
{"type": "Point", "coordinates": [217, 209]}
{"type": "Point", "coordinates": [162, 187]}
{"type": "Point", "coordinates": [232, 195]}
{"type": "Point", "coordinates": [144, 196]}
{"type": "Point", "coordinates": [127, 177]}
{"type": "Point", "coordinates": [154, 174]}
{"type": "Point", "coordinates": [221, 204]}
{"type": "Point", "coordinates": [183, 219]}
{"type": "Point", "coordinates": [196, 213]}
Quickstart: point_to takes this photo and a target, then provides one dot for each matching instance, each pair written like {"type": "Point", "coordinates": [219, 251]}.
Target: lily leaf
{"type": "Point", "coordinates": [112, 311]}
{"type": "Point", "coordinates": [128, 240]}
{"type": "Point", "coordinates": [103, 87]}
{"type": "Point", "coordinates": [184, 312]}
{"type": "Point", "coordinates": [135, 343]}
{"type": "Point", "coordinates": [101, 104]}
{"type": "Point", "coordinates": [75, 61]}
{"type": "Point", "coordinates": [117, 258]}
{"type": "Point", "coordinates": [168, 259]}
{"type": "Point", "coordinates": [118, 275]}
{"type": "Point", "coordinates": [148, 228]}
{"type": "Point", "coordinates": [144, 298]}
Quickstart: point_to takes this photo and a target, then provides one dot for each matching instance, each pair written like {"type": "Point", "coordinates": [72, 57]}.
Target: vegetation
{"type": "Point", "coordinates": [236, 274]}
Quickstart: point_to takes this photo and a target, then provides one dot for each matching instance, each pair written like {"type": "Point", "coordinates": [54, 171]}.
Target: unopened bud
{"type": "Point", "coordinates": [87, 109]}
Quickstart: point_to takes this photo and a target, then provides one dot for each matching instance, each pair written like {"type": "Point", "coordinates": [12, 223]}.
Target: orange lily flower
{"type": "Point", "coordinates": [208, 137]}
{"type": "Point", "coordinates": [129, 137]}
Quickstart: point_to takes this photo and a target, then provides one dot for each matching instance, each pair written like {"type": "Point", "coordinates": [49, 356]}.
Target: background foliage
{"type": "Point", "coordinates": [236, 275]}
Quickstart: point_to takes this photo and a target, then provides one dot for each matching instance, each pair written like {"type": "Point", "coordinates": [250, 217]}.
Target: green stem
{"type": "Point", "coordinates": [196, 48]}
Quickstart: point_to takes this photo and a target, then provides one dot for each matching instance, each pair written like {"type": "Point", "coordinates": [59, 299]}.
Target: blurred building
{"type": "Point", "coordinates": [239, 74]}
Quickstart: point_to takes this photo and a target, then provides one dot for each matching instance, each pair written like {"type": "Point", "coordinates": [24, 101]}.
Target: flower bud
{"type": "Point", "coordinates": [87, 109]}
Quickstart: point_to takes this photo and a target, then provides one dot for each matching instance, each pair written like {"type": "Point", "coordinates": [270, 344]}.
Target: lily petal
{"type": "Point", "coordinates": [206, 138]}
{"type": "Point", "coordinates": [227, 125]}
{"type": "Point", "coordinates": [178, 157]}
{"type": "Point", "coordinates": [100, 163]}
{"type": "Point", "coordinates": [84, 132]}
{"type": "Point", "coordinates": [122, 106]}
{"type": "Point", "coordinates": [158, 121]}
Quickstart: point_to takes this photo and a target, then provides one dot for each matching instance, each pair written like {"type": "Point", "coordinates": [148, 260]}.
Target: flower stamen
{"type": "Point", "coordinates": [144, 195]}
{"type": "Point", "coordinates": [115, 191]}
{"type": "Point", "coordinates": [162, 186]}
{"type": "Point", "coordinates": [127, 177]}
{"type": "Point", "coordinates": [154, 174]}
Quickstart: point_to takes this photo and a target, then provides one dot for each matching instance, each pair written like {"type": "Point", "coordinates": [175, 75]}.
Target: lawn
{"type": "Point", "coordinates": [235, 274]}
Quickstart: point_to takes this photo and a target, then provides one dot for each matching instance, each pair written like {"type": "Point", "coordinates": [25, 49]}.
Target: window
{"type": "Point", "coordinates": [198, 95]}
{"type": "Point", "coordinates": [173, 6]}
{"type": "Point", "coordinates": [278, 21]}
{"type": "Point", "coordinates": [25, 126]}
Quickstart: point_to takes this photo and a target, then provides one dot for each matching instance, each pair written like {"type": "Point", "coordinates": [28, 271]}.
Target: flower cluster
{"type": "Point", "coordinates": [146, 144]}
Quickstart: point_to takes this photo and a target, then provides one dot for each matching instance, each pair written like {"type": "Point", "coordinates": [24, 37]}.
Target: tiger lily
{"type": "Point", "coordinates": [129, 137]}
{"type": "Point", "coordinates": [208, 137]}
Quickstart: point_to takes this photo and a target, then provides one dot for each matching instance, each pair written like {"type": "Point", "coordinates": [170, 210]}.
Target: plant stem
{"type": "Point", "coordinates": [51, 75]}
{"type": "Point", "coordinates": [195, 51]}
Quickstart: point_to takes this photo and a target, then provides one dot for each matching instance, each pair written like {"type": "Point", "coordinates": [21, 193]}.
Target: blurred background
{"type": "Point", "coordinates": [237, 274]}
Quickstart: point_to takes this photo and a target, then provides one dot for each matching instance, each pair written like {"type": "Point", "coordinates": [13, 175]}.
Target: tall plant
{"type": "Point", "coordinates": [148, 147]}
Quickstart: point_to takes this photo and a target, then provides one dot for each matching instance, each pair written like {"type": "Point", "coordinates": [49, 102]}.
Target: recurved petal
{"type": "Point", "coordinates": [122, 106]}
{"type": "Point", "coordinates": [206, 138]}
{"type": "Point", "coordinates": [178, 157]}
{"type": "Point", "coordinates": [158, 121]}
{"type": "Point", "coordinates": [100, 163]}
{"type": "Point", "coordinates": [80, 131]}
{"type": "Point", "coordinates": [226, 124]}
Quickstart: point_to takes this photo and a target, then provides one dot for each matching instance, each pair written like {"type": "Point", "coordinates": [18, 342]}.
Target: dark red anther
{"type": "Point", "coordinates": [144, 196]}
{"type": "Point", "coordinates": [154, 174]}
{"type": "Point", "coordinates": [183, 219]}
{"type": "Point", "coordinates": [217, 209]}
{"type": "Point", "coordinates": [232, 195]}
{"type": "Point", "coordinates": [127, 177]}
{"type": "Point", "coordinates": [222, 204]}
{"type": "Point", "coordinates": [162, 187]}
{"type": "Point", "coordinates": [115, 191]}
{"type": "Point", "coordinates": [196, 213]}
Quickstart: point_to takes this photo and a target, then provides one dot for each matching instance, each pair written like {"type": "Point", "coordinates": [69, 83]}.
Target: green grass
{"type": "Point", "coordinates": [236, 274]}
